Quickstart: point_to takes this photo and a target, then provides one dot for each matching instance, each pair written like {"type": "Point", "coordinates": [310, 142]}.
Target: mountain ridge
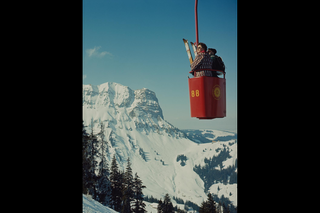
{"type": "Point", "coordinates": [135, 127]}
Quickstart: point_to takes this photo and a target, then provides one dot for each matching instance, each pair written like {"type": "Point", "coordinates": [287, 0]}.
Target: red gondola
{"type": "Point", "coordinates": [207, 94]}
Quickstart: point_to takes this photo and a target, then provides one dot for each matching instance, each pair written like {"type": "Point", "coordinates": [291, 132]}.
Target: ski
{"type": "Point", "coordinates": [194, 49]}
{"type": "Point", "coordinates": [186, 44]}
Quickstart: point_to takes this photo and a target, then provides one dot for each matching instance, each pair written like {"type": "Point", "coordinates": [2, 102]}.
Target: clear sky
{"type": "Point", "coordinates": [138, 43]}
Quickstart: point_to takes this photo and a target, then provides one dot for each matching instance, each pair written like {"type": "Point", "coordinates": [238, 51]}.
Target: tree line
{"type": "Point", "coordinates": [212, 205]}
{"type": "Point", "coordinates": [116, 189]}
{"type": "Point", "coordinates": [210, 174]}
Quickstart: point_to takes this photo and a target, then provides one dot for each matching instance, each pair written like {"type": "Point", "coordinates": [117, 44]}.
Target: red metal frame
{"type": "Point", "coordinates": [203, 102]}
{"type": "Point", "coordinates": [207, 97]}
{"type": "Point", "coordinates": [196, 14]}
{"type": "Point", "coordinates": [212, 70]}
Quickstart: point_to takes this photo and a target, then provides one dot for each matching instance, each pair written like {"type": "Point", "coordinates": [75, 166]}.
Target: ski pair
{"type": "Point", "coordinates": [186, 44]}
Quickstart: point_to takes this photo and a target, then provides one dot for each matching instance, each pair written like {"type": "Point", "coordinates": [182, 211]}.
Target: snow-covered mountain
{"type": "Point", "coordinates": [163, 156]}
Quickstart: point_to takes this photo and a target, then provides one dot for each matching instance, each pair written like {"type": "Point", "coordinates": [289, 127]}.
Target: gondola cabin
{"type": "Point", "coordinates": [208, 96]}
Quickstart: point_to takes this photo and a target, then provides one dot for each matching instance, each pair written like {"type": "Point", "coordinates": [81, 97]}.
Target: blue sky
{"type": "Point", "coordinates": [138, 43]}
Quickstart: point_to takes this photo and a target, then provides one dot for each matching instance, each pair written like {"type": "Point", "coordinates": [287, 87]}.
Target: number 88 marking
{"type": "Point", "coordinates": [197, 93]}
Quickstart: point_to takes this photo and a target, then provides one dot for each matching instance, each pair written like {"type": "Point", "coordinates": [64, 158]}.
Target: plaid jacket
{"type": "Point", "coordinates": [202, 61]}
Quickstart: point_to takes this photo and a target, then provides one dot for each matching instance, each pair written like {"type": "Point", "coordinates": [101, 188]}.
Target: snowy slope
{"type": "Point", "coordinates": [135, 128]}
{"type": "Point", "coordinates": [90, 205]}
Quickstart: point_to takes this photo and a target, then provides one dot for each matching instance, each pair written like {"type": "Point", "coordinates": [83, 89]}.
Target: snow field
{"type": "Point", "coordinates": [134, 121]}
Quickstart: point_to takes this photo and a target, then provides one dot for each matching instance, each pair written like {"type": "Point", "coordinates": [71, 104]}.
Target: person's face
{"type": "Point", "coordinates": [199, 48]}
{"type": "Point", "coordinates": [210, 52]}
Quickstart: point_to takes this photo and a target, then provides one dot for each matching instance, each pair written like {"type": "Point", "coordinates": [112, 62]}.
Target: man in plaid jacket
{"type": "Point", "coordinates": [202, 61]}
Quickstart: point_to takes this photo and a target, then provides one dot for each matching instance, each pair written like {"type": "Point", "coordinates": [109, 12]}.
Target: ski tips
{"type": "Point", "coordinates": [188, 50]}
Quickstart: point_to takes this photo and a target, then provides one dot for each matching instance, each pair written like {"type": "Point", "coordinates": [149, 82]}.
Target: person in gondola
{"type": "Point", "coordinates": [217, 63]}
{"type": "Point", "coordinates": [202, 62]}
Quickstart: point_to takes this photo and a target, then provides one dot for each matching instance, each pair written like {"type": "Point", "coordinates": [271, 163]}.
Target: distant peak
{"type": "Point", "coordinates": [115, 94]}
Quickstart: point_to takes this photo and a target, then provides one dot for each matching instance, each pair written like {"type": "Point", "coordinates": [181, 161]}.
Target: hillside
{"type": "Point", "coordinates": [90, 205]}
{"type": "Point", "coordinates": [164, 156]}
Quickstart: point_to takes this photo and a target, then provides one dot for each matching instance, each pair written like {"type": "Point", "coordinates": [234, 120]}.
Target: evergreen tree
{"type": "Point", "coordinates": [202, 207]}
{"type": "Point", "coordinates": [89, 163]}
{"type": "Point", "coordinates": [211, 204]}
{"type": "Point", "coordinates": [159, 208]}
{"type": "Point", "coordinates": [219, 207]}
{"type": "Point", "coordinates": [93, 152]}
{"type": "Point", "coordinates": [116, 185]}
{"type": "Point", "coordinates": [150, 199]}
{"type": "Point", "coordinates": [128, 194]}
{"type": "Point", "coordinates": [233, 177]}
{"type": "Point", "coordinates": [85, 160]}
{"type": "Point", "coordinates": [165, 206]}
{"type": "Point", "coordinates": [225, 208]}
{"type": "Point", "coordinates": [208, 206]}
{"type": "Point", "coordinates": [168, 207]}
{"type": "Point", "coordinates": [103, 182]}
{"type": "Point", "coordinates": [180, 210]}
{"type": "Point", "coordinates": [139, 206]}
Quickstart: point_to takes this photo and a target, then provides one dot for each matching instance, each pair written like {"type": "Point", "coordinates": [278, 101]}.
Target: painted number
{"type": "Point", "coordinates": [197, 93]}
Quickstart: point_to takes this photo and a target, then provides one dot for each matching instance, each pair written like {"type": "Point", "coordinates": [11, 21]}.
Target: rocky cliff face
{"type": "Point", "coordinates": [146, 103]}
{"type": "Point", "coordinates": [119, 106]}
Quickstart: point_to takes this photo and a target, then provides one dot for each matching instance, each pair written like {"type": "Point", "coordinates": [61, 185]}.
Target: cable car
{"type": "Point", "coordinates": [207, 94]}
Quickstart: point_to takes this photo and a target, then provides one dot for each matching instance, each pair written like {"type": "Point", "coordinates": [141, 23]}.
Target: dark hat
{"type": "Point", "coordinates": [213, 50]}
